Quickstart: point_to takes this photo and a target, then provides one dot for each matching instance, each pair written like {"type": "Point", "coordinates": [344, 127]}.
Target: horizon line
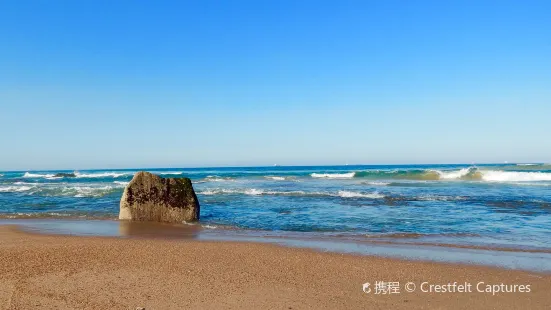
{"type": "Point", "coordinates": [281, 166]}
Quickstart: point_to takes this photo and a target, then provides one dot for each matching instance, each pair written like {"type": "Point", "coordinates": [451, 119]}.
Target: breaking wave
{"type": "Point", "coordinates": [377, 183]}
{"type": "Point", "coordinates": [348, 175]}
{"type": "Point", "coordinates": [101, 175]}
{"type": "Point", "coordinates": [466, 174]}
{"type": "Point", "coordinates": [511, 176]}
{"type": "Point", "coordinates": [37, 175]}
{"type": "Point", "coordinates": [258, 192]}
{"type": "Point", "coordinates": [47, 190]}
{"type": "Point", "coordinates": [14, 189]}
{"type": "Point", "coordinates": [76, 175]}
{"type": "Point", "coordinates": [348, 194]}
{"type": "Point", "coordinates": [215, 178]}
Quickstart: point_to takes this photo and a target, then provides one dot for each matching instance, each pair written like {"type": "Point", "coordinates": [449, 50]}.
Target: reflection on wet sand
{"type": "Point", "coordinates": [158, 230]}
{"type": "Point", "coordinates": [535, 261]}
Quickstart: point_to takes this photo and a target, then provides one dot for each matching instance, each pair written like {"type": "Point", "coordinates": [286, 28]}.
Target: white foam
{"type": "Point", "coordinates": [449, 175]}
{"type": "Point", "coordinates": [170, 172]}
{"type": "Point", "coordinates": [121, 183]}
{"type": "Point", "coordinates": [12, 189]}
{"type": "Point", "coordinates": [86, 191]}
{"type": "Point", "coordinates": [275, 178]}
{"type": "Point", "coordinates": [60, 189]}
{"type": "Point", "coordinates": [209, 192]}
{"type": "Point", "coordinates": [257, 192]}
{"type": "Point", "coordinates": [254, 192]}
{"type": "Point", "coordinates": [378, 183]}
{"type": "Point", "coordinates": [215, 178]}
{"type": "Point", "coordinates": [99, 175]}
{"type": "Point", "coordinates": [349, 194]}
{"type": "Point", "coordinates": [511, 176]}
{"type": "Point", "coordinates": [439, 198]}
{"type": "Point", "coordinates": [248, 191]}
{"type": "Point", "coordinates": [37, 175]}
{"type": "Point", "coordinates": [348, 175]}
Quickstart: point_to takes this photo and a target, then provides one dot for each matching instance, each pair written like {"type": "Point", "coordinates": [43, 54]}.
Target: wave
{"type": "Point", "coordinates": [52, 176]}
{"type": "Point", "coordinates": [101, 175]}
{"type": "Point", "coordinates": [77, 191]}
{"type": "Point", "coordinates": [450, 175]}
{"type": "Point", "coordinates": [275, 178]}
{"type": "Point", "coordinates": [511, 176]}
{"type": "Point", "coordinates": [168, 172]}
{"type": "Point", "coordinates": [348, 175]}
{"type": "Point", "coordinates": [348, 194]}
{"type": "Point", "coordinates": [258, 192]}
{"type": "Point", "coordinates": [215, 178]}
{"type": "Point", "coordinates": [377, 183]}
{"type": "Point", "coordinates": [251, 191]}
{"type": "Point", "coordinates": [37, 175]}
{"type": "Point", "coordinates": [465, 174]}
{"type": "Point", "coordinates": [421, 175]}
{"type": "Point", "coordinates": [15, 189]}
{"type": "Point", "coordinates": [121, 183]}
{"type": "Point", "coordinates": [439, 198]}
{"type": "Point", "coordinates": [61, 191]}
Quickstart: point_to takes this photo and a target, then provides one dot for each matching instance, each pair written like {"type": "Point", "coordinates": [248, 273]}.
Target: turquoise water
{"type": "Point", "coordinates": [496, 205]}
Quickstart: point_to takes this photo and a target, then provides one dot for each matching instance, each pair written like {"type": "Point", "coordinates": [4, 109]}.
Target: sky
{"type": "Point", "coordinates": [127, 84]}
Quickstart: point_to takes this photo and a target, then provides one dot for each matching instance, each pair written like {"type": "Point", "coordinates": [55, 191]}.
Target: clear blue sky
{"type": "Point", "coordinates": [104, 84]}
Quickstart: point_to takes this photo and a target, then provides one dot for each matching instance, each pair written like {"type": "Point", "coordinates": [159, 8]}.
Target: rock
{"type": "Point", "coordinates": [149, 197]}
{"type": "Point", "coordinates": [65, 175]}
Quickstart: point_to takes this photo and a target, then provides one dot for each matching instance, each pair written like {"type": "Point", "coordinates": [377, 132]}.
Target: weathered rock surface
{"type": "Point", "coordinates": [149, 197]}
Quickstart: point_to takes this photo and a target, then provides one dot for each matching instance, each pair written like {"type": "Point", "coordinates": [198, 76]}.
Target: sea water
{"type": "Point", "coordinates": [506, 205]}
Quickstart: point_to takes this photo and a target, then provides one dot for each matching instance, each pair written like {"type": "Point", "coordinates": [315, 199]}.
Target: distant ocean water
{"type": "Point", "coordinates": [505, 205]}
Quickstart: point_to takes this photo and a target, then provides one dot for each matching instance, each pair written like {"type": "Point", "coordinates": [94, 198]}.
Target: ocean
{"type": "Point", "coordinates": [502, 205]}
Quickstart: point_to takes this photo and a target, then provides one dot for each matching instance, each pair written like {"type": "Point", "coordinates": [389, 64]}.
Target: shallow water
{"type": "Point", "coordinates": [532, 261]}
{"type": "Point", "coordinates": [488, 205]}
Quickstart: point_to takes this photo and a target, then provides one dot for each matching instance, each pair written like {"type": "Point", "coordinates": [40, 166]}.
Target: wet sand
{"type": "Point", "coordinates": [68, 272]}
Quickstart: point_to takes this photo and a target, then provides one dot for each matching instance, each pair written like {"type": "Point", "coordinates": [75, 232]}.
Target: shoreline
{"type": "Point", "coordinates": [506, 258]}
{"type": "Point", "coordinates": [48, 271]}
{"type": "Point", "coordinates": [388, 239]}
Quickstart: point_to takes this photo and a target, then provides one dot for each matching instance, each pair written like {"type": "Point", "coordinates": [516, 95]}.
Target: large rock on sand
{"type": "Point", "coordinates": [149, 197]}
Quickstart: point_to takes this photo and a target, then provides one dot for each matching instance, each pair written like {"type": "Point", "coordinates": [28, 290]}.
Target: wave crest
{"type": "Point", "coordinates": [348, 194]}
{"type": "Point", "coordinates": [47, 190]}
{"type": "Point", "coordinates": [347, 175]}
{"type": "Point", "coordinates": [511, 176]}
{"type": "Point", "coordinates": [258, 192]}
{"type": "Point", "coordinates": [100, 175]}
{"type": "Point", "coordinates": [37, 175]}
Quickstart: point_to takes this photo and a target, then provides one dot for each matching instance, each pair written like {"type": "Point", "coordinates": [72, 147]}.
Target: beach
{"type": "Point", "coordinates": [73, 272]}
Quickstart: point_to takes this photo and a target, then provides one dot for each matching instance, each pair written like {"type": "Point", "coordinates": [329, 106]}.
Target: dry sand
{"type": "Point", "coordinates": [64, 272]}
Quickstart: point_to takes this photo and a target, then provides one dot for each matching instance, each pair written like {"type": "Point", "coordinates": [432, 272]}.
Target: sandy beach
{"type": "Point", "coordinates": [67, 272]}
